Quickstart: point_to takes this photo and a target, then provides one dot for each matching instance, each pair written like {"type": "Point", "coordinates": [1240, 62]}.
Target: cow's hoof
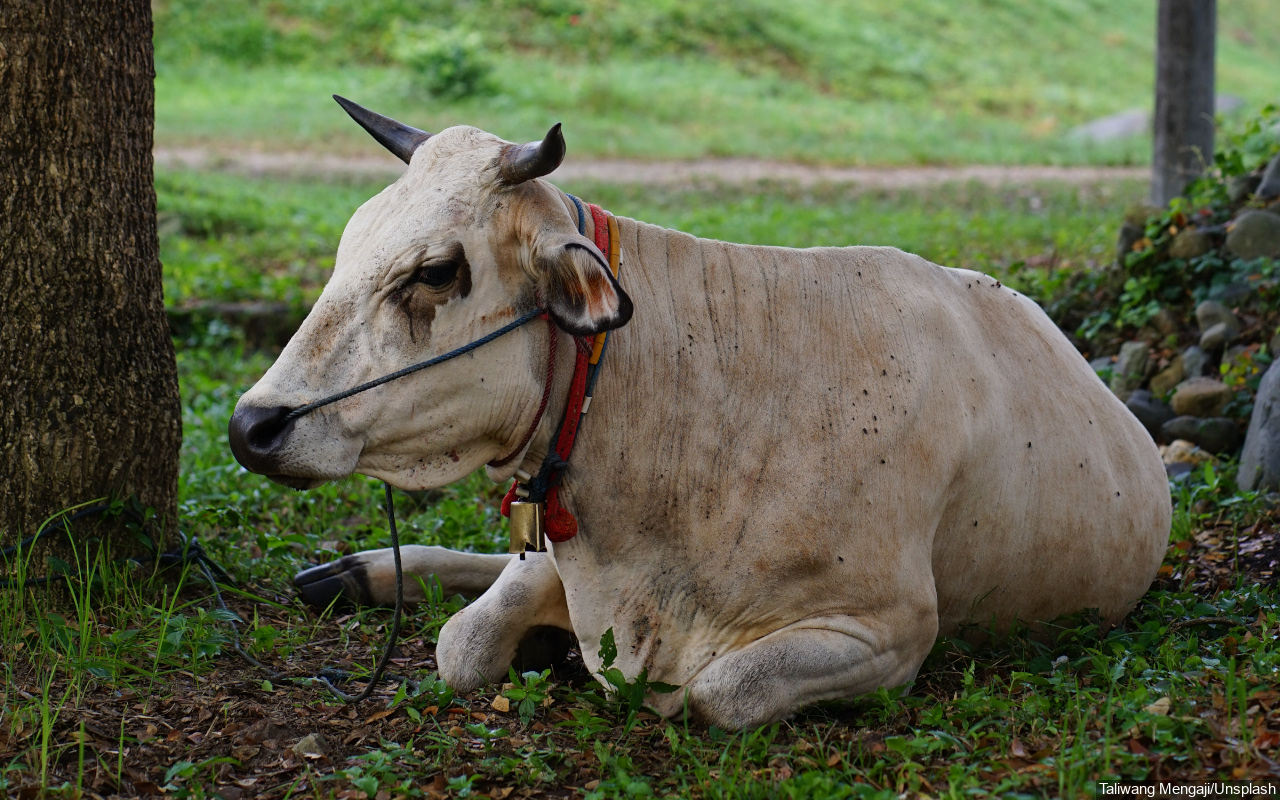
{"type": "Point", "coordinates": [338, 584]}
{"type": "Point", "coordinates": [542, 647]}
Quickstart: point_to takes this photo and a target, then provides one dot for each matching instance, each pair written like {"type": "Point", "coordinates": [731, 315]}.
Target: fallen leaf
{"type": "Point", "coordinates": [311, 746]}
{"type": "Point", "coordinates": [1159, 707]}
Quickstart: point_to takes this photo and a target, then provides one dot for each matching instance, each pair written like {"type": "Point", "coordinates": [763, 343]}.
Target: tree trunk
{"type": "Point", "coordinates": [87, 373]}
{"type": "Point", "coordinates": [1183, 131]}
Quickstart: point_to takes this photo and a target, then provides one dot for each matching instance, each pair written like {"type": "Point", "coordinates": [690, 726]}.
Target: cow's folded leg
{"type": "Point", "coordinates": [521, 620]}
{"type": "Point", "coordinates": [817, 659]}
{"type": "Point", "coordinates": [369, 578]}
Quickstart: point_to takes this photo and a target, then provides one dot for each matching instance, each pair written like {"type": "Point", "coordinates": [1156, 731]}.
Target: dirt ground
{"type": "Point", "coordinates": [712, 170]}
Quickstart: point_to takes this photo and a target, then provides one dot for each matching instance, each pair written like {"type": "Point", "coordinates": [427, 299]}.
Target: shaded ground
{"type": "Point", "coordinates": [233, 732]}
{"type": "Point", "coordinates": [724, 170]}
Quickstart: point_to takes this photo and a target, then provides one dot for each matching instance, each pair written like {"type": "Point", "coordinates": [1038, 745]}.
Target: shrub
{"type": "Point", "coordinates": [449, 63]}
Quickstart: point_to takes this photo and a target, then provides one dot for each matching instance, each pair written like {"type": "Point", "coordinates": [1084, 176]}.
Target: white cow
{"type": "Point", "coordinates": [800, 466]}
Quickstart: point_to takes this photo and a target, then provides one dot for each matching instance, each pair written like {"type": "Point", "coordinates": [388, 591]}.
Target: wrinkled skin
{"type": "Point", "coordinates": [800, 466]}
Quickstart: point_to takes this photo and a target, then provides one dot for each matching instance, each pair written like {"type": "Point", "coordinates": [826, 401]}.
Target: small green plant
{"type": "Point", "coordinates": [447, 62]}
{"type": "Point", "coordinates": [193, 779]}
{"type": "Point", "coordinates": [529, 690]}
{"type": "Point", "coordinates": [629, 695]}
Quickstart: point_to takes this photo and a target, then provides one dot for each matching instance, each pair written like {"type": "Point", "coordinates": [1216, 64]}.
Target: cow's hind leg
{"type": "Point", "coordinates": [369, 578]}
{"type": "Point", "coordinates": [817, 659]}
{"type": "Point", "coordinates": [521, 620]}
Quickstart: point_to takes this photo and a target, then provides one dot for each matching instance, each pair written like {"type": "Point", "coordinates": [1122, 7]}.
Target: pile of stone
{"type": "Point", "coordinates": [1196, 407]}
{"type": "Point", "coordinates": [1181, 399]}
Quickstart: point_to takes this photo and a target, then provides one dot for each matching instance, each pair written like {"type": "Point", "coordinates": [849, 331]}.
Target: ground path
{"type": "Point", "coordinates": [707, 170]}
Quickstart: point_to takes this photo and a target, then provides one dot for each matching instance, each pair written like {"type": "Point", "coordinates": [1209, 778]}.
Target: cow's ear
{"type": "Point", "coordinates": [581, 294]}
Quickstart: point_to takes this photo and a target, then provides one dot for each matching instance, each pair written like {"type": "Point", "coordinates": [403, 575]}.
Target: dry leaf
{"type": "Point", "coordinates": [1160, 707]}
{"type": "Point", "coordinates": [311, 746]}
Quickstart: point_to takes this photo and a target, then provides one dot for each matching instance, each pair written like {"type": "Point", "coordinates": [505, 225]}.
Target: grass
{"type": "Point", "coordinates": [237, 239]}
{"type": "Point", "coordinates": [853, 82]}
{"type": "Point", "coordinates": [138, 691]}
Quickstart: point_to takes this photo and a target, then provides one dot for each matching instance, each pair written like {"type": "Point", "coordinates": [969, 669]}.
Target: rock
{"type": "Point", "coordinates": [1103, 366]}
{"type": "Point", "coordinates": [1238, 356]}
{"type": "Point", "coordinates": [1260, 460]}
{"type": "Point", "coordinates": [1121, 125]}
{"type": "Point", "coordinates": [1217, 337]}
{"type": "Point", "coordinates": [1180, 451]}
{"type": "Point", "coordinates": [1136, 121]}
{"type": "Point", "coordinates": [1166, 379]}
{"type": "Point", "coordinates": [1165, 322]}
{"type": "Point", "coordinates": [1269, 184]}
{"type": "Point", "coordinates": [1200, 397]}
{"type": "Point", "coordinates": [1126, 239]}
{"type": "Point", "coordinates": [1255, 234]}
{"type": "Point", "coordinates": [1132, 230]}
{"type": "Point", "coordinates": [1241, 187]}
{"type": "Point", "coordinates": [1150, 412]}
{"type": "Point", "coordinates": [1189, 243]}
{"type": "Point", "coordinates": [1130, 369]}
{"type": "Point", "coordinates": [1212, 312]}
{"type": "Point", "coordinates": [1214, 435]}
{"type": "Point", "coordinates": [1194, 362]}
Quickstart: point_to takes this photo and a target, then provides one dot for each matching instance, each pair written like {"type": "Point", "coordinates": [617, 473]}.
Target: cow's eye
{"type": "Point", "coordinates": [436, 276]}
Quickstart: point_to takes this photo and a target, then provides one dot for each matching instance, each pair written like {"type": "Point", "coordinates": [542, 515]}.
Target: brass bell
{"type": "Point", "coordinates": [528, 531]}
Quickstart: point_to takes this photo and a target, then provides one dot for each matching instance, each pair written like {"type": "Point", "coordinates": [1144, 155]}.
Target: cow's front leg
{"type": "Point", "coordinates": [523, 620]}
{"type": "Point", "coordinates": [816, 659]}
{"type": "Point", "coordinates": [369, 578]}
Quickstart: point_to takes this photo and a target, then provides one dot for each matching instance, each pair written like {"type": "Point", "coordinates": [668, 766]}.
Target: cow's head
{"type": "Point", "coordinates": [465, 241]}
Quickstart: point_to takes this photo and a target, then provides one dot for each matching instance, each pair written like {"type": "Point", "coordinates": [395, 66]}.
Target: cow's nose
{"type": "Point", "coordinates": [256, 435]}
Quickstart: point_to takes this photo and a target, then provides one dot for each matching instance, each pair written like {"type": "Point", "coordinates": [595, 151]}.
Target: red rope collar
{"type": "Point", "coordinates": [561, 525]}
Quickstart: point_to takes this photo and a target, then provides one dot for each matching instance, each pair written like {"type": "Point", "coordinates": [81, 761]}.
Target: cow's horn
{"type": "Point", "coordinates": [397, 137]}
{"type": "Point", "coordinates": [532, 160]}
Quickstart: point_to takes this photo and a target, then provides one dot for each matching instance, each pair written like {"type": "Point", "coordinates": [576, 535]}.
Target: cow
{"type": "Point", "coordinates": [800, 466]}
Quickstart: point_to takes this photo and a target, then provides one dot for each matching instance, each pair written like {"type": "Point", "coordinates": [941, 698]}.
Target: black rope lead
{"type": "Point", "coordinates": [528, 316]}
{"type": "Point", "coordinates": [395, 619]}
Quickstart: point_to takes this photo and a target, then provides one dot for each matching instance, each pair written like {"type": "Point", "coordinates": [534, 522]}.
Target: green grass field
{"type": "Point", "coordinates": [236, 238]}
{"type": "Point", "coordinates": [853, 82]}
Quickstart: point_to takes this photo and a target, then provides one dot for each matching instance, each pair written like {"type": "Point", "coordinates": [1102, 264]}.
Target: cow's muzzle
{"type": "Point", "coordinates": [257, 436]}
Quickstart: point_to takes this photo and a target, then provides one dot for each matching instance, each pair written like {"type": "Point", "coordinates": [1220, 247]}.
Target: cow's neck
{"type": "Point", "coordinates": [533, 502]}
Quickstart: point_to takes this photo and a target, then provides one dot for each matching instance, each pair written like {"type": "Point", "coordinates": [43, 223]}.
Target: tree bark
{"type": "Point", "coordinates": [1183, 129]}
{"type": "Point", "coordinates": [87, 372]}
